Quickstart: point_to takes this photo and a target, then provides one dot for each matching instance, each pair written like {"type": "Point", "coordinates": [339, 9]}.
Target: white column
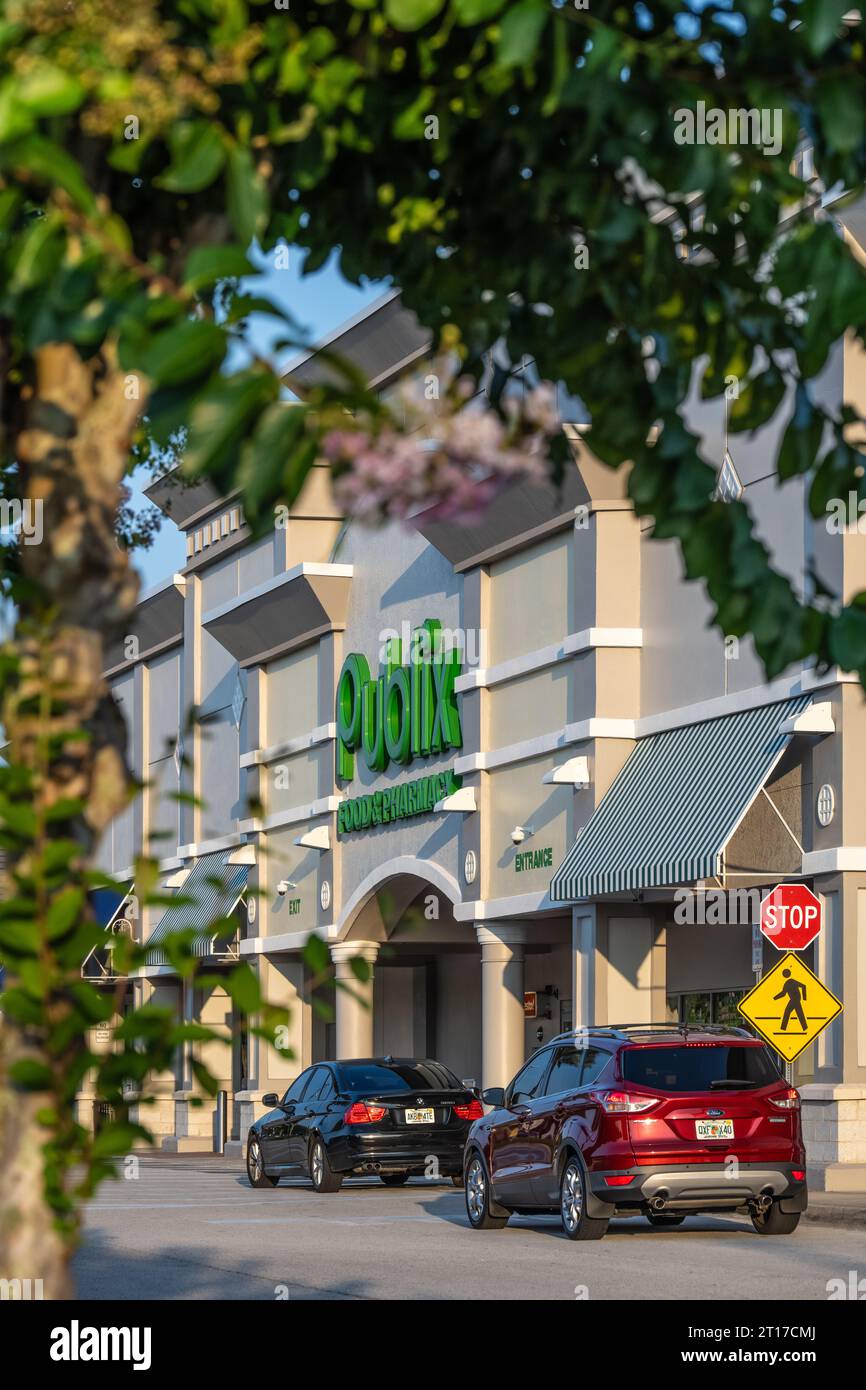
{"type": "Point", "coordinates": [188, 1015]}
{"type": "Point", "coordinates": [502, 1026]}
{"type": "Point", "coordinates": [583, 942]}
{"type": "Point", "coordinates": [354, 1005]}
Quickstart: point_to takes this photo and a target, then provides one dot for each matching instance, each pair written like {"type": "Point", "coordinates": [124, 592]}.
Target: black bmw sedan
{"type": "Point", "coordinates": [384, 1116]}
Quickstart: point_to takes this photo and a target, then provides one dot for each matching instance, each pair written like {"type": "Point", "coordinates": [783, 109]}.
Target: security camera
{"type": "Point", "coordinates": [284, 885]}
{"type": "Point", "coordinates": [519, 834]}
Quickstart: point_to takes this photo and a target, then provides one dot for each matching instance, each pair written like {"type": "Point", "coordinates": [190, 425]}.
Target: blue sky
{"type": "Point", "coordinates": [319, 303]}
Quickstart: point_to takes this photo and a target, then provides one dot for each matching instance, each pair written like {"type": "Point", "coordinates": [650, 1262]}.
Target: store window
{"type": "Point", "coordinates": [706, 1006]}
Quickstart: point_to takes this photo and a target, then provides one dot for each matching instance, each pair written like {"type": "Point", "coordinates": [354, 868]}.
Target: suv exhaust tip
{"type": "Point", "coordinates": [660, 1202]}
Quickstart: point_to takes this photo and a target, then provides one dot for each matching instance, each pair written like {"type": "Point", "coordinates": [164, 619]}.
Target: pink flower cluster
{"type": "Point", "coordinates": [448, 459]}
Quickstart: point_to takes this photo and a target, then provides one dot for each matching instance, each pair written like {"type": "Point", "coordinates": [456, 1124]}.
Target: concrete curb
{"type": "Point", "coordinates": [836, 1214]}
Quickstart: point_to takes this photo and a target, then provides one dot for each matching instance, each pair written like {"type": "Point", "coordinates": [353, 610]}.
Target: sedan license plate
{"type": "Point", "coordinates": [420, 1117]}
{"type": "Point", "coordinates": [714, 1129]}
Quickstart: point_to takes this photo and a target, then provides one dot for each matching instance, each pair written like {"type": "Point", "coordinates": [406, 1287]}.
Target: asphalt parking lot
{"type": "Point", "coordinates": [194, 1229]}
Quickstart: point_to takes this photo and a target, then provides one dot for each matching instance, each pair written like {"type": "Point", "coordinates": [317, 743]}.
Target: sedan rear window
{"type": "Point", "coordinates": [391, 1078]}
{"type": "Point", "coordinates": [698, 1068]}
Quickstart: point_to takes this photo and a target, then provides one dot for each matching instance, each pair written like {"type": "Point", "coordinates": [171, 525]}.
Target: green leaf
{"type": "Point", "coordinates": [334, 81]}
{"type": "Point", "coordinates": [847, 640]}
{"type": "Point", "coordinates": [64, 808]}
{"type": "Point", "coordinates": [272, 461]}
{"type": "Point", "coordinates": [118, 1138]}
{"type": "Point", "coordinates": [206, 265]}
{"type": "Point", "coordinates": [248, 200]}
{"type": "Point", "coordinates": [223, 414]}
{"type": "Point", "coordinates": [197, 156]}
{"type": "Point", "coordinates": [46, 90]}
{"type": "Point", "coordinates": [408, 15]}
{"type": "Point", "coordinates": [468, 12]}
{"type": "Point", "coordinates": [520, 32]}
{"type": "Point", "coordinates": [821, 19]}
{"type": "Point", "coordinates": [21, 819]}
{"type": "Point", "coordinates": [316, 955]}
{"type": "Point", "coordinates": [63, 912]}
{"type": "Point", "coordinates": [19, 935]}
{"type": "Point", "coordinates": [49, 164]}
{"type": "Point", "coordinates": [189, 349]}
{"type": "Point", "coordinates": [840, 105]}
{"type": "Point", "coordinates": [30, 1075]}
{"type": "Point", "coordinates": [802, 438]}
{"type": "Point", "coordinates": [15, 120]}
{"type": "Point", "coordinates": [205, 1078]}
{"type": "Point", "coordinates": [242, 984]}
{"type": "Point", "coordinates": [361, 969]}
{"type": "Point", "coordinates": [39, 253]}
{"type": "Point", "coordinates": [409, 124]}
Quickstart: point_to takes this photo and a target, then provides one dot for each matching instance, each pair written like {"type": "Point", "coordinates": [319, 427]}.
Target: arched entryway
{"type": "Point", "coordinates": [424, 994]}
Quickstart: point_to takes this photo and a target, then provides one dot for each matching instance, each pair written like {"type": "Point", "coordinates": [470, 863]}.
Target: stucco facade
{"type": "Point", "coordinates": [578, 639]}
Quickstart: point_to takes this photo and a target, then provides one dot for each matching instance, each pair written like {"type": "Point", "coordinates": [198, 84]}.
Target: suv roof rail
{"type": "Point", "coordinates": [623, 1030]}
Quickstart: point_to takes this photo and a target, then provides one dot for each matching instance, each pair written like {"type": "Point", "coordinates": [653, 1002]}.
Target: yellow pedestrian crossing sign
{"type": "Point", "coordinates": [790, 1006]}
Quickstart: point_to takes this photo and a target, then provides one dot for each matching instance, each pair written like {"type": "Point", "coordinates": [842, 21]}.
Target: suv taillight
{"type": "Point", "coordinates": [473, 1111]}
{"type": "Point", "coordinates": [787, 1100]}
{"type": "Point", "coordinates": [360, 1113]}
{"type": "Point", "coordinates": [623, 1102]}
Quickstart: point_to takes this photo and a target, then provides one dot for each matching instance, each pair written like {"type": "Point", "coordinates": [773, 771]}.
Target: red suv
{"type": "Point", "coordinates": [658, 1119]}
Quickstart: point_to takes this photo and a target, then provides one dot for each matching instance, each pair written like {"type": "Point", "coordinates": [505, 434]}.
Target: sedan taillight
{"type": "Point", "coordinates": [786, 1100]}
{"type": "Point", "coordinates": [360, 1113]}
{"type": "Point", "coordinates": [473, 1111]}
{"type": "Point", "coordinates": [623, 1103]}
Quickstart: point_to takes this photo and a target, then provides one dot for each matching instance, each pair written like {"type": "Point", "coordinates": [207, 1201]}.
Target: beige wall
{"type": "Point", "coordinates": [516, 795]}
{"type": "Point", "coordinates": [529, 603]}
{"type": "Point", "coordinates": [292, 696]}
{"type": "Point", "coordinates": [629, 970]}
{"type": "Point", "coordinates": [295, 780]}
{"type": "Point", "coordinates": [283, 983]}
{"type": "Point", "coordinates": [281, 858]}
{"type": "Point", "coordinates": [531, 705]}
{"type": "Point", "coordinates": [214, 1010]}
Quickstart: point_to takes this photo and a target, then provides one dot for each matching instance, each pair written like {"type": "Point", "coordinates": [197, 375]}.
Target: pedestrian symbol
{"type": "Point", "coordinates": [790, 1006]}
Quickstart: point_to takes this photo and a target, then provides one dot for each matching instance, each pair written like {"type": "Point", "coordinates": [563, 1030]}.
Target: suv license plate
{"type": "Point", "coordinates": [714, 1129]}
{"type": "Point", "coordinates": [420, 1117]}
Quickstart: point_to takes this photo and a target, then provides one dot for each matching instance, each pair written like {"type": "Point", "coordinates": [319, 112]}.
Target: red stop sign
{"type": "Point", "coordinates": [791, 917]}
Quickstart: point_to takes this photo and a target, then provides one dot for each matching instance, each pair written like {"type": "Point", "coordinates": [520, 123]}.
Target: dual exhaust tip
{"type": "Point", "coordinates": [761, 1203]}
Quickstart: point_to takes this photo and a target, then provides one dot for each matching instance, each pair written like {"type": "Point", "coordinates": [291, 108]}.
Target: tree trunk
{"type": "Point", "coordinates": [72, 457]}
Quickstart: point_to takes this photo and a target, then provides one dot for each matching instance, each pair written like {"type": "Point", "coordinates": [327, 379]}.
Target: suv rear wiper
{"type": "Point", "coordinates": [735, 1085]}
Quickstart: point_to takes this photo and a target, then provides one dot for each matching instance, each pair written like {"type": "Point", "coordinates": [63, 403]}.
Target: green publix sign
{"type": "Point", "coordinates": [408, 711]}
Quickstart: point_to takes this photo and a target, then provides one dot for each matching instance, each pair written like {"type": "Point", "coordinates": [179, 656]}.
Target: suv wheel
{"type": "Point", "coordinates": [775, 1222]}
{"type": "Point", "coordinates": [256, 1166]}
{"type": "Point", "coordinates": [478, 1198]}
{"type": "Point", "coordinates": [323, 1176]}
{"type": "Point", "coordinates": [572, 1206]}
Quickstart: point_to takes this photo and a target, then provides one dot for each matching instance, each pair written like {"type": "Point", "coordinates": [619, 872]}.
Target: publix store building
{"type": "Point", "coordinates": [486, 759]}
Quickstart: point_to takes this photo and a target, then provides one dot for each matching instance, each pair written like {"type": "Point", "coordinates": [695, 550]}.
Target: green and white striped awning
{"type": "Point", "coordinates": [675, 805]}
{"type": "Point", "coordinates": [210, 893]}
